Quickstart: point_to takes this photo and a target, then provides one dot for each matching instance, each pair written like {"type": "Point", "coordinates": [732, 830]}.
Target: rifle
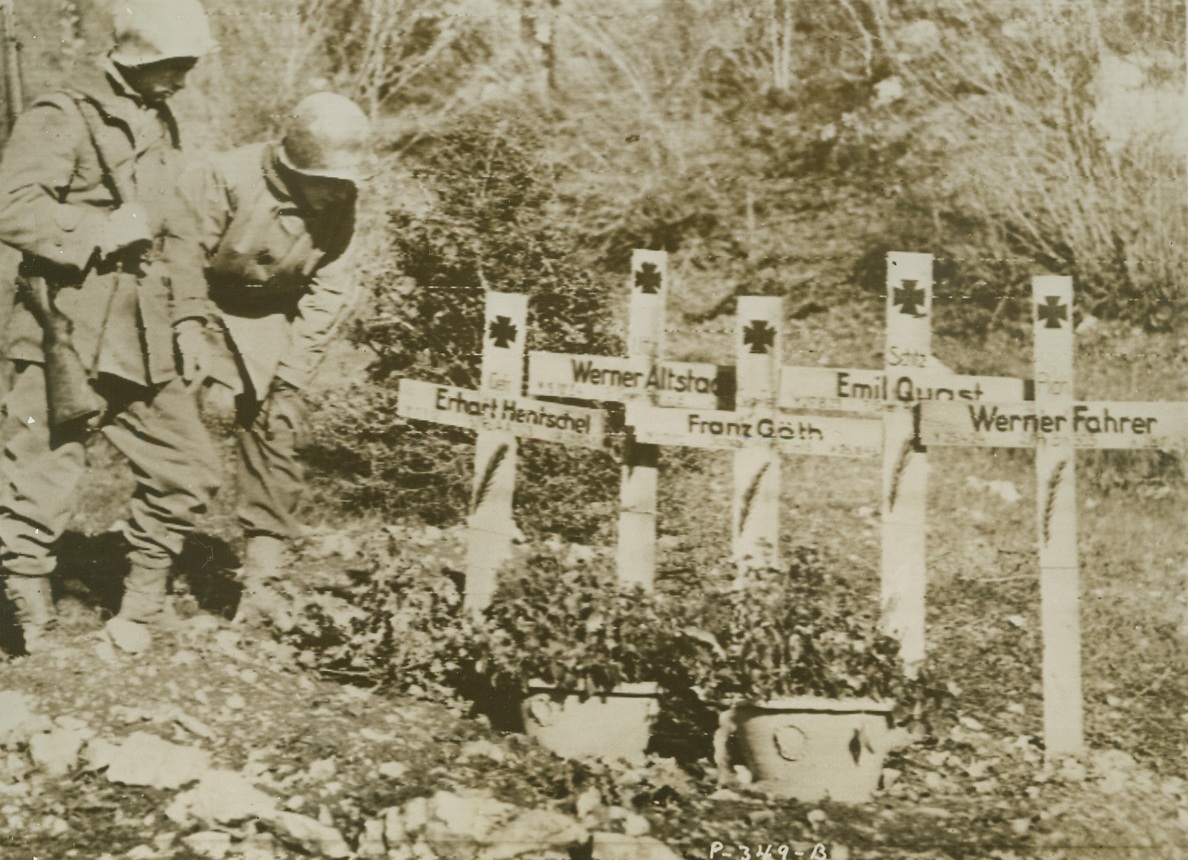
{"type": "Point", "coordinates": [72, 401]}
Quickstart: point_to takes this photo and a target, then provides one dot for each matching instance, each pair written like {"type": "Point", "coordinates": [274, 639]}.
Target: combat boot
{"type": "Point", "coordinates": [262, 598]}
{"type": "Point", "coordinates": [144, 594]}
{"type": "Point", "coordinates": [33, 602]}
{"type": "Point", "coordinates": [143, 606]}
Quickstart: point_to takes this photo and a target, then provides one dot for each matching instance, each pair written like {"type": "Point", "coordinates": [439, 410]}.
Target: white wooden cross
{"type": "Point", "coordinates": [757, 431]}
{"type": "Point", "coordinates": [910, 374]}
{"type": "Point", "coordinates": [1056, 426]}
{"type": "Point", "coordinates": [640, 375]}
{"type": "Point", "coordinates": [501, 415]}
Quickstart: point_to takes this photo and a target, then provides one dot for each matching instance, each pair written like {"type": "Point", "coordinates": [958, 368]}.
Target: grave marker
{"type": "Point", "coordinates": [1056, 426]}
{"type": "Point", "coordinates": [756, 430]}
{"type": "Point", "coordinates": [636, 558]}
{"type": "Point", "coordinates": [755, 510]}
{"type": "Point", "coordinates": [501, 415]}
{"type": "Point", "coordinates": [910, 374]}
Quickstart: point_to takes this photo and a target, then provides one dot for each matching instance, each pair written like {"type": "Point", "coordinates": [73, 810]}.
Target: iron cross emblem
{"type": "Point", "coordinates": [503, 332]}
{"type": "Point", "coordinates": [909, 297]}
{"type": "Point", "coordinates": [759, 336]}
{"type": "Point", "coordinates": [1052, 311]}
{"type": "Point", "coordinates": [648, 279]}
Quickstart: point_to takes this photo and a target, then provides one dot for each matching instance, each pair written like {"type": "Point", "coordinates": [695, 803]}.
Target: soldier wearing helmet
{"type": "Point", "coordinates": [269, 234]}
{"type": "Point", "coordinates": [85, 182]}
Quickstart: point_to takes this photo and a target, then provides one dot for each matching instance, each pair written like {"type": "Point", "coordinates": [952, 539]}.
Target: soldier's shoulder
{"type": "Point", "coordinates": [240, 159]}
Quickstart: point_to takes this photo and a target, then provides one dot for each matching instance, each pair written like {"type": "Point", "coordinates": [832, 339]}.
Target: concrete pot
{"type": "Point", "coordinates": [813, 748]}
{"type": "Point", "coordinates": [616, 725]}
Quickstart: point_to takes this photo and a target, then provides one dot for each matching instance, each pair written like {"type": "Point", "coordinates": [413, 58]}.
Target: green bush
{"type": "Point", "coordinates": [498, 222]}
{"type": "Point", "coordinates": [398, 625]}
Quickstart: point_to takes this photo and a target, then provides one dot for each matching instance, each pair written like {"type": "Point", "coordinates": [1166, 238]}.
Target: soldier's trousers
{"type": "Point", "coordinates": [271, 478]}
{"type": "Point", "coordinates": [158, 430]}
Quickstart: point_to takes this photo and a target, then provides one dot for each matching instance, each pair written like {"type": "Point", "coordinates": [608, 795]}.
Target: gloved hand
{"type": "Point", "coordinates": [285, 411]}
{"type": "Point", "coordinates": [193, 350]}
{"type": "Point", "coordinates": [125, 236]}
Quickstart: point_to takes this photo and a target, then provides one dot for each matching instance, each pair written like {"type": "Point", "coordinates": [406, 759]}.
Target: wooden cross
{"type": "Point", "coordinates": [910, 374]}
{"type": "Point", "coordinates": [757, 431]}
{"type": "Point", "coordinates": [501, 415]}
{"type": "Point", "coordinates": [640, 375]}
{"type": "Point", "coordinates": [1056, 426]}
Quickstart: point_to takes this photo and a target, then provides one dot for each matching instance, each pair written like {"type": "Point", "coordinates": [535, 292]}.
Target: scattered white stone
{"type": "Point", "coordinates": [393, 770]}
{"type": "Point", "coordinates": [259, 846]}
{"type": "Point", "coordinates": [145, 759]}
{"type": "Point", "coordinates": [100, 753]}
{"type": "Point", "coordinates": [19, 719]}
{"type": "Point", "coordinates": [725, 794]}
{"type": "Point", "coordinates": [323, 769]}
{"type": "Point", "coordinates": [209, 843]}
{"type": "Point", "coordinates": [193, 725]}
{"type": "Point", "coordinates": [888, 91]}
{"type": "Point", "coordinates": [616, 846]}
{"type": "Point", "coordinates": [416, 814]}
{"type": "Point", "coordinates": [1005, 490]}
{"type": "Point", "coordinates": [106, 652]}
{"type": "Point", "coordinates": [395, 831]}
{"type": "Point", "coordinates": [817, 817]}
{"type": "Point", "coordinates": [532, 831]}
{"type": "Point", "coordinates": [471, 816]}
{"type": "Point", "coordinates": [142, 852]}
{"type": "Point", "coordinates": [324, 815]}
{"type": "Point", "coordinates": [376, 736]}
{"type": "Point", "coordinates": [56, 752]}
{"type": "Point", "coordinates": [588, 802]}
{"type": "Point", "coordinates": [222, 797]}
{"type": "Point", "coordinates": [313, 836]}
{"type": "Point", "coordinates": [483, 749]}
{"type": "Point", "coordinates": [236, 702]}
{"type": "Point", "coordinates": [636, 825]}
{"type": "Point", "coordinates": [228, 642]}
{"type": "Point", "coordinates": [371, 845]}
{"type": "Point", "coordinates": [128, 636]}
{"type": "Point", "coordinates": [986, 786]}
{"type": "Point", "coordinates": [1073, 771]}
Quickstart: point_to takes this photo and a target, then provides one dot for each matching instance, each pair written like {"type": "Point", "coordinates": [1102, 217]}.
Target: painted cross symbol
{"type": "Point", "coordinates": [758, 336]}
{"type": "Point", "coordinates": [648, 279]}
{"type": "Point", "coordinates": [1052, 311]}
{"type": "Point", "coordinates": [503, 332]}
{"type": "Point", "coordinates": [908, 296]}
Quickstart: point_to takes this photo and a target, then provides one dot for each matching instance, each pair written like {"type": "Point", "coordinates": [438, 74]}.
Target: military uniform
{"type": "Point", "coordinates": [278, 277]}
{"type": "Point", "coordinates": [73, 158]}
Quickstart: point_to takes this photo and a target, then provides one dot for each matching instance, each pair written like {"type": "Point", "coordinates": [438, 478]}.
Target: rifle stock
{"type": "Point", "coordinates": [72, 401]}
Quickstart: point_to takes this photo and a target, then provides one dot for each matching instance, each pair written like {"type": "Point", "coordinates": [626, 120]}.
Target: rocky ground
{"type": "Point", "coordinates": [218, 741]}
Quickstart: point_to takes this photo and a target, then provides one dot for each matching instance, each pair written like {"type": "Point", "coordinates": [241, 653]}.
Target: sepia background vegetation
{"type": "Point", "coordinates": [775, 147]}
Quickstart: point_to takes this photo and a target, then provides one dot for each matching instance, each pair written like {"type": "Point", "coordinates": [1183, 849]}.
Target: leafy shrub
{"type": "Point", "coordinates": [798, 632]}
{"type": "Point", "coordinates": [574, 628]}
{"type": "Point", "coordinates": [498, 223]}
{"type": "Point", "coordinates": [399, 626]}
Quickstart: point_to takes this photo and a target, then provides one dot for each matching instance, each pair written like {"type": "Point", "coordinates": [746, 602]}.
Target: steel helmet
{"type": "Point", "coordinates": [149, 31]}
{"type": "Point", "coordinates": [327, 135]}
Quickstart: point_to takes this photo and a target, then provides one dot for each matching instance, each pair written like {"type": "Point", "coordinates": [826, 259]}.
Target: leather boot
{"type": "Point", "coordinates": [263, 598]}
{"type": "Point", "coordinates": [144, 594]}
{"type": "Point", "coordinates": [32, 599]}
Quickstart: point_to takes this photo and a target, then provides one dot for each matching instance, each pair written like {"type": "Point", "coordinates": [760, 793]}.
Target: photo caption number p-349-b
{"type": "Point", "coordinates": [767, 851]}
